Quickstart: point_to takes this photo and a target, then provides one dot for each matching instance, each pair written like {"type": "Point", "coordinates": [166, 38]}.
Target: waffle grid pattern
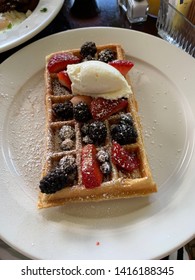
{"type": "Point", "coordinates": [118, 184]}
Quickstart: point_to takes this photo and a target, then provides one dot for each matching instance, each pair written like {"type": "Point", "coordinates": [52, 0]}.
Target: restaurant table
{"type": "Point", "coordinates": [109, 15]}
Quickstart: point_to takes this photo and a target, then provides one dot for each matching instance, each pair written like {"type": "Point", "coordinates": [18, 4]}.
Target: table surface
{"type": "Point", "coordinates": [110, 14]}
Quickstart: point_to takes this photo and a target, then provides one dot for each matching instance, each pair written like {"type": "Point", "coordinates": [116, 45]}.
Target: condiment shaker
{"type": "Point", "coordinates": [136, 10]}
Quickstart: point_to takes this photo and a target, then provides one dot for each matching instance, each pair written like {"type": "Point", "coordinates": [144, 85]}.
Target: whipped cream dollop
{"type": "Point", "coordinates": [97, 79]}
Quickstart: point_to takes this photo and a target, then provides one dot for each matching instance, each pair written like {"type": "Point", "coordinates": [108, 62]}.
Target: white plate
{"type": "Point", "coordinates": [31, 26]}
{"type": "Point", "coordinates": [142, 228]}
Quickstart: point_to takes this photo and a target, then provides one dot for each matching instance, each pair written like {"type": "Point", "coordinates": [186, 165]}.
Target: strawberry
{"type": "Point", "coordinates": [102, 108]}
{"type": "Point", "coordinates": [64, 79]}
{"type": "Point", "coordinates": [124, 159]}
{"type": "Point", "coordinates": [91, 174]}
{"type": "Point", "coordinates": [122, 66]}
{"type": "Point", "coordinates": [84, 98]}
{"type": "Point", "coordinates": [59, 62]}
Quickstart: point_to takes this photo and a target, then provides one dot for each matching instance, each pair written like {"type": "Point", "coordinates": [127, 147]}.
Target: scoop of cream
{"type": "Point", "coordinates": [98, 79]}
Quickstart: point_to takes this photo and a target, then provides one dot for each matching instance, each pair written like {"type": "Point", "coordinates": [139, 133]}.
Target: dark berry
{"type": "Point", "coordinates": [102, 156]}
{"type": "Point", "coordinates": [68, 164]}
{"type": "Point", "coordinates": [66, 132]}
{"type": "Point", "coordinates": [106, 168]}
{"type": "Point", "coordinates": [97, 132]}
{"type": "Point", "coordinates": [67, 144]}
{"type": "Point", "coordinates": [63, 111]}
{"type": "Point", "coordinates": [89, 57]}
{"type": "Point", "coordinates": [124, 134]}
{"type": "Point", "coordinates": [54, 181]}
{"type": "Point", "coordinates": [106, 55]}
{"type": "Point", "coordinates": [88, 49]}
{"type": "Point", "coordinates": [85, 132]}
{"type": "Point", "coordinates": [81, 112]}
{"type": "Point", "coordinates": [126, 119]}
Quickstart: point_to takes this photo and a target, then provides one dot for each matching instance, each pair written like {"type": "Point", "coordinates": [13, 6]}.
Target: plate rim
{"type": "Point", "coordinates": [32, 31]}
{"type": "Point", "coordinates": [80, 30]}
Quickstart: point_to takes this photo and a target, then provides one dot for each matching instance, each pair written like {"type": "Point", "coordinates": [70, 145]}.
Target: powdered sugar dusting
{"type": "Point", "coordinates": [26, 133]}
{"type": "Point", "coordinates": [58, 89]}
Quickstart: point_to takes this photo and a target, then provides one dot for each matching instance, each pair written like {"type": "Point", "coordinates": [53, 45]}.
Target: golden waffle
{"type": "Point", "coordinates": [118, 184]}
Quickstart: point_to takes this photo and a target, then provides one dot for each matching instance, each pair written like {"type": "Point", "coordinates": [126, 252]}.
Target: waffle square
{"type": "Point", "coordinates": [119, 183]}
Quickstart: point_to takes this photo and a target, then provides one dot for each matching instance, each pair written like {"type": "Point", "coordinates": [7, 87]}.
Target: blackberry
{"type": "Point", "coordinates": [106, 55]}
{"type": "Point", "coordinates": [88, 49]}
{"type": "Point", "coordinates": [126, 119]}
{"type": "Point", "coordinates": [68, 164]}
{"type": "Point", "coordinates": [63, 111]}
{"type": "Point", "coordinates": [106, 168]}
{"type": "Point", "coordinates": [66, 132]}
{"type": "Point", "coordinates": [67, 145]}
{"type": "Point", "coordinates": [54, 181]}
{"type": "Point", "coordinates": [81, 112]}
{"type": "Point", "coordinates": [85, 132]}
{"type": "Point", "coordinates": [89, 57]}
{"type": "Point", "coordinates": [97, 132]}
{"type": "Point", "coordinates": [102, 156]}
{"type": "Point", "coordinates": [124, 134]}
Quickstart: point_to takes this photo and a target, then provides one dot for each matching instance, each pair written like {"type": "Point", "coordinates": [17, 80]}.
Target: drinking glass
{"type": "Point", "coordinates": [176, 27]}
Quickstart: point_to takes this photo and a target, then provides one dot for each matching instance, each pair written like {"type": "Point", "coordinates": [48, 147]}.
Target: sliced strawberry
{"type": "Point", "coordinates": [91, 174]}
{"type": "Point", "coordinates": [102, 108]}
{"type": "Point", "coordinates": [124, 159]}
{"type": "Point", "coordinates": [84, 98]}
{"type": "Point", "coordinates": [64, 79]}
{"type": "Point", "coordinates": [59, 62]}
{"type": "Point", "coordinates": [122, 66]}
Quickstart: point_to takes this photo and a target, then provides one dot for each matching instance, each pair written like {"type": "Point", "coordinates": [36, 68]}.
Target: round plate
{"type": "Point", "coordinates": [31, 26]}
{"type": "Point", "coordinates": [141, 228]}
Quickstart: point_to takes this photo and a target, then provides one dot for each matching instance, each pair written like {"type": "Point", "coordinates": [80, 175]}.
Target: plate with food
{"type": "Point", "coordinates": [97, 147]}
{"type": "Point", "coordinates": [21, 20]}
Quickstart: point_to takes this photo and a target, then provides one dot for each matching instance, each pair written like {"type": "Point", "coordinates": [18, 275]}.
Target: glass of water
{"type": "Point", "coordinates": [175, 24]}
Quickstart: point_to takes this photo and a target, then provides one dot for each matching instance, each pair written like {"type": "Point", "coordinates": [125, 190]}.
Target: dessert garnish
{"type": "Point", "coordinates": [94, 148]}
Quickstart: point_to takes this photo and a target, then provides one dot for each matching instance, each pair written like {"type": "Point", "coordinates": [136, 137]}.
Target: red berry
{"type": "Point", "coordinates": [84, 98]}
{"type": "Point", "coordinates": [102, 108]}
{"type": "Point", "coordinates": [123, 158]}
{"type": "Point", "coordinates": [91, 174]}
{"type": "Point", "coordinates": [64, 79]}
{"type": "Point", "coordinates": [122, 65]}
{"type": "Point", "coordinates": [59, 62]}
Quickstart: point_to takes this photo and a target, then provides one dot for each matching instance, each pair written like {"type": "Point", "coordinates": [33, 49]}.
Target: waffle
{"type": "Point", "coordinates": [118, 184]}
